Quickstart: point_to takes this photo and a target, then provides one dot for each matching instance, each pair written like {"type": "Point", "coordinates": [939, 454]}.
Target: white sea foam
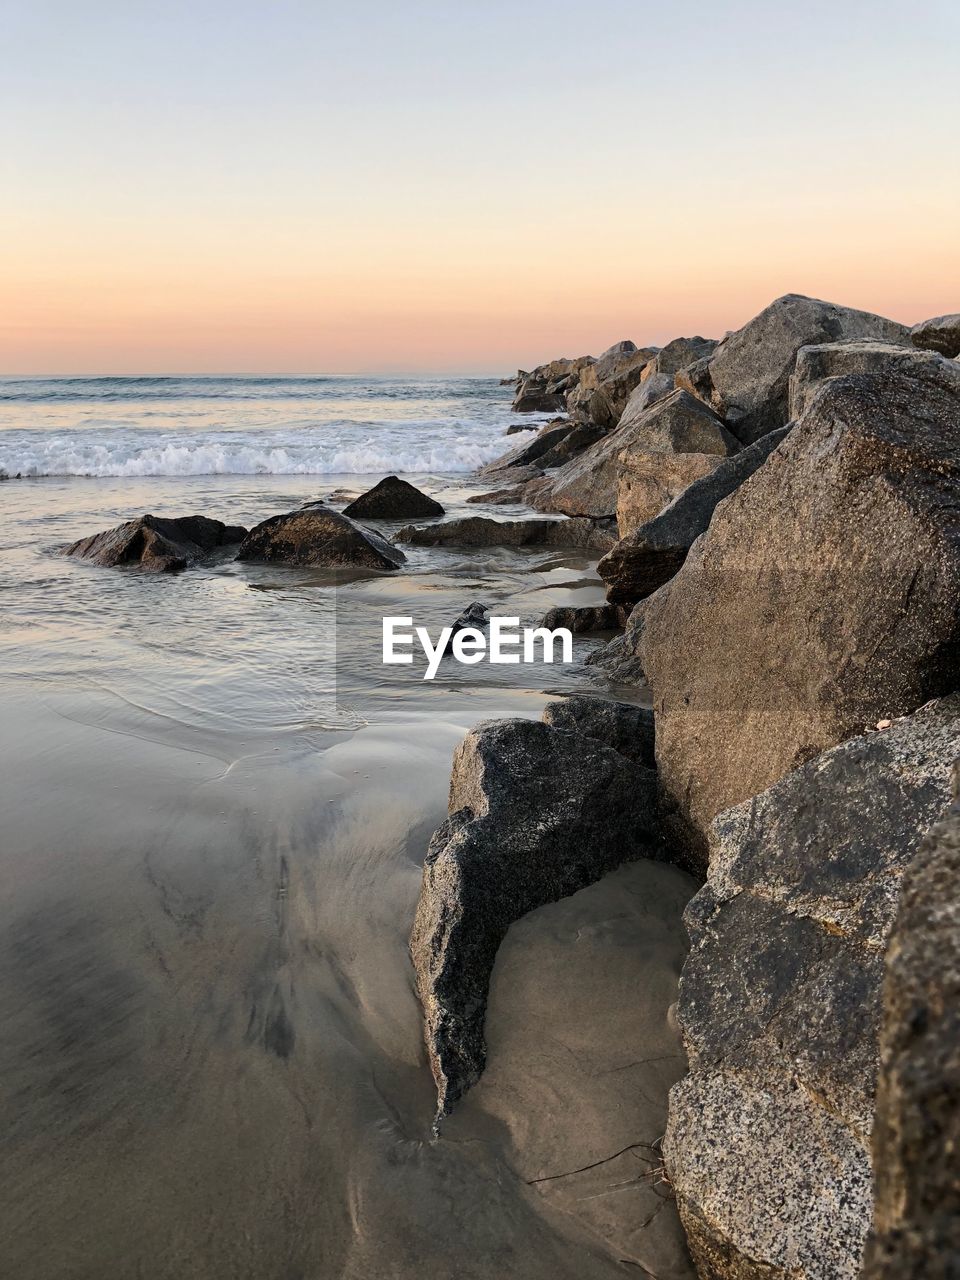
{"type": "Point", "coordinates": [323, 427]}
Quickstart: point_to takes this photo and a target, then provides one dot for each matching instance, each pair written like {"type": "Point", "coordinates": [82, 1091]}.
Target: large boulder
{"type": "Point", "coordinates": [626, 727]}
{"type": "Point", "coordinates": [650, 555]}
{"type": "Point", "coordinates": [393, 499]}
{"type": "Point", "coordinates": [484, 531]}
{"type": "Point", "coordinates": [678, 354]}
{"type": "Point", "coordinates": [605, 387]}
{"type": "Point", "coordinates": [536, 813]}
{"type": "Point", "coordinates": [941, 334]}
{"type": "Point", "coordinates": [656, 387]}
{"type": "Point", "coordinates": [768, 1138]}
{"type": "Point", "coordinates": [544, 390]}
{"type": "Point", "coordinates": [317, 535]}
{"type": "Point", "coordinates": [824, 596]}
{"type": "Point", "coordinates": [832, 359]}
{"type": "Point", "coordinates": [155, 543]}
{"type": "Point", "coordinates": [677, 441]}
{"type": "Point", "coordinates": [530, 451]}
{"type": "Point", "coordinates": [750, 369]}
{"type": "Point", "coordinates": [916, 1135]}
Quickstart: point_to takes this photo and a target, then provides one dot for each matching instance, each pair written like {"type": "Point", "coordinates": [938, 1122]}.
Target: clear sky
{"type": "Point", "coordinates": [223, 185]}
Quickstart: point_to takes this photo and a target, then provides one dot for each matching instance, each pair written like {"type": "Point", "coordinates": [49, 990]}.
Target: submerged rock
{"type": "Point", "coordinates": [622, 725]}
{"type": "Point", "coordinates": [824, 596]}
{"type": "Point", "coordinates": [393, 499]}
{"type": "Point", "coordinates": [750, 369]}
{"type": "Point", "coordinates": [484, 531]}
{"type": "Point", "coordinates": [916, 1135]}
{"type": "Point", "coordinates": [768, 1138]}
{"type": "Point", "coordinates": [317, 535]}
{"type": "Point", "coordinates": [536, 813]}
{"type": "Point", "coordinates": [155, 543]}
{"type": "Point", "coordinates": [582, 619]}
{"type": "Point", "coordinates": [648, 557]}
{"type": "Point", "coordinates": [941, 334]}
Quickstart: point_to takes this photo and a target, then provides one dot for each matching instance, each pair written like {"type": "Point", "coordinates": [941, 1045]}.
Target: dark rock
{"type": "Point", "coordinates": [750, 369]}
{"type": "Point", "coordinates": [535, 814]}
{"type": "Point", "coordinates": [675, 442]}
{"type": "Point", "coordinates": [647, 558]}
{"type": "Point", "coordinates": [156, 544]}
{"type": "Point", "coordinates": [393, 499]}
{"type": "Point", "coordinates": [484, 531]}
{"type": "Point", "coordinates": [316, 535]}
{"type": "Point", "coordinates": [583, 619]}
{"type": "Point", "coordinates": [475, 616]}
{"type": "Point", "coordinates": [815, 364]}
{"type": "Point", "coordinates": [621, 725]}
{"type": "Point", "coordinates": [941, 334]}
{"type": "Point", "coordinates": [581, 437]}
{"type": "Point", "coordinates": [824, 596]}
{"type": "Point", "coordinates": [916, 1135]}
{"type": "Point", "coordinates": [768, 1138]}
{"type": "Point", "coordinates": [543, 390]}
{"type": "Point", "coordinates": [521, 426]}
{"type": "Point", "coordinates": [621, 660]}
{"type": "Point", "coordinates": [523, 455]}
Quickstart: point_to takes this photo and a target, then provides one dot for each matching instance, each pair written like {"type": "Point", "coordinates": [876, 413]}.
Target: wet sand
{"type": "Point", "coordinates": [212, 1061]}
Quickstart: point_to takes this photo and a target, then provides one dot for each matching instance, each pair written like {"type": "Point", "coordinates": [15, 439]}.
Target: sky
{"type": "Point", "coordinates": [226, 186]}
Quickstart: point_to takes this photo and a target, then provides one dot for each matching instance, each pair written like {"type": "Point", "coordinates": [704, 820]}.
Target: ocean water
{"type": "Point", "coordinates": [215, 808]}
{"type": "Point", "coordinates": [169, 426]}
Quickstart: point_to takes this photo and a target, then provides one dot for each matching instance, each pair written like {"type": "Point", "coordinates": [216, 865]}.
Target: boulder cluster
{"type": "Point", "coordinates": [786, 583]}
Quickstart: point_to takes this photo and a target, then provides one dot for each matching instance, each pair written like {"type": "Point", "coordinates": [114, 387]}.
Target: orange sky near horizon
{"type": "Point", "coordinates": [465, 218]}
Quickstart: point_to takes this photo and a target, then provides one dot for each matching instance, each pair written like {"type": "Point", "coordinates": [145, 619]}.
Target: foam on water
{"type": "Point", "coordinates": [135, 427]}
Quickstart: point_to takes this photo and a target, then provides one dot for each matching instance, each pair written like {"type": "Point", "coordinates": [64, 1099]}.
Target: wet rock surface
{"type": "Point", "coordinates": [317, 535]}
{"type": "Point", "coordinates": [535, 814]}
{"type": "Point", "coordinates": [393, 499]}
{"type": "Point", "coordinates": [583, 619]}
{"type": "Point", "coordinates": [768, 1140]}
{"type": "Point", "coordinates": [483, 531]}
{"type": "Point", "coordinates": [155, 543]}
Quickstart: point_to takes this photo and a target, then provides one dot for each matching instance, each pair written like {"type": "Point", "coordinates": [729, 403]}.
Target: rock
{"type": "Point", "coordinates": [155, 543]}
{"type": "Point", "coordinates": [677, 441]}
{"type": "Point", "coordinates": [750, 369]}
{"type": "Point", "coordinates": [695, 379]}
{"type": "Point", "coordinates": [579, 438]}
{"type": "Point", "coordinates": [520, 426]}
{"type": "Point", "coordinates": [583, 619]}
{"type": "Point", "coordinates": [547, 437]}
{"type": "Point", "coordinates": [620, 660]}
{"type": "Point", "coordinates": [830, 360]}
{"type": "Point", "coordinates": [624, 347]}
{"type": "Point", "coordinates": [916, 1135]}
{"type": "Point", "coordinates": [475, 616]}
{"type": "Point", "coordinates": [393, 499]}
{"type": "Point", "coordinates": [317, 535]}
{"type": "Point", "coordinates": [647, 394]}
{"type": "Point", "coordinates": [825, 594]}
{"type": "Point", "coordinates": [768, 1138]}
{"type": "Point", "coordinates": [543, 390]}
{"type": "Point", "coordinates": [536, 813]}
{"type": "Point", "coordinates": [484, 531]}
{"type": "Point", "coordinates": [678, 354]}
{"type": "Point", "coordinates": [605, 386]}
{"type": "Point", "coordinates": [649, 556]}
{"type": "Point", "coordinates": [513, 493]}
{"type": "Point", "coordinates": [621, 725]}
{"type": "Point", "coordinates": [941, 334]}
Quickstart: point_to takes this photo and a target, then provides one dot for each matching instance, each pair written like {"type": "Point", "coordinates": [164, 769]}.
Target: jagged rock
{"type": "Point", "coordinates": [484, 531]}
{"type": "Point", "coordinates": [543, 390]}
{"type": "Point", "coordinates": [916, 1135]}
{"type": "Point", "coordinates": [475, 616]}
{"type": "Point", "coordinates": [583, 435]}
{"type": "Point", "coordinates": [605, 387]}
{"type": "Point", "coordinates": [679, 354]}
{"type": "Point", "coordinates": [523, 455]}
{"type": "Point", "coordinates": [824, 596]}
{"type": "Point", "coordinates": [677, 441]}
{"type": "Point", "coordinates": [941, 334]}
{"type": "Point", "coordinates": [621, 725]}
{"type": "Point", "coordinates": [620, 660]}
{"type": "Point", "coordinates": [649, 556]}
{"type": "Point", "coordinates": [768, 1138]}
{"type": "Point", "coordinates": [317, 535]}
{"type": "Point", "coordinates": [517, 427]}
{"type": "Point", "coordinates": [583, 619]}
{"type": "Point", "coordinates": [830, 360]}
{"type": "Point", "coordinates": [155, 543]}
{"type": "Point", "coordinates": [695, 378]}
{"type": "Point", "coordinates": [750, 369]}
{"type": "Point", "coordinates": [536, 813]}
{"type": "Point", "coordinates": [652, 389]}
{"type": "Point", "coordinates": [393, 499]}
